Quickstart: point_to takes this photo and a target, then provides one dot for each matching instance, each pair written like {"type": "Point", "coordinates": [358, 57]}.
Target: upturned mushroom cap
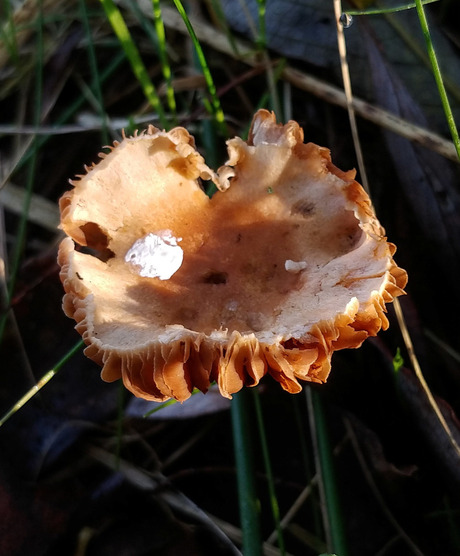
{"type": "Point", "coordinates": [285, 264]}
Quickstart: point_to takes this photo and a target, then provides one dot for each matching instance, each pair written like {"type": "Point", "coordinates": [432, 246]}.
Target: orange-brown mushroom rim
{"type": "Point", "coordinates": [172, 290]}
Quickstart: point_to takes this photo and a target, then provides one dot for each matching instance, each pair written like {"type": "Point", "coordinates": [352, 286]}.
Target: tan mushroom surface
{"type": "Point", "coordinates": [285, 264]}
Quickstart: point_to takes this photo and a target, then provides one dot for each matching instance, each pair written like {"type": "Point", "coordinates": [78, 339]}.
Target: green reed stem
{"type": "Point", "coordinates": [44, 380]}
{"type": "Point", "coordinates": [249, 503]}
{"type": "Point", "coordinates": [30, 180]}
{"type": "Point", "coordinates": [215, 102]}
{"type": "Point", "coordinates": [162, 51]}
{"type": "Point", "coordinates": [378, 11]}
{"type": "Point", "coordinates": [333, 511]}
{"type": "Point", "coordinates": [438, 75]}
{"type": "Point", "coordinates": [8, 31]}
{"type": "Point", "coordinates": [261, 12]}
{"type": "Point", "coordinates": [132, 53]}
{"type": "Point", "coordinates": [268, 471]}
{"type": "Point", "coordinates": [96, 81]}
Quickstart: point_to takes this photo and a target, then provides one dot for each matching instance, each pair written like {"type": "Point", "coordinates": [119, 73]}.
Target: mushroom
{"type": "Point", "coordinates": [172, 290]}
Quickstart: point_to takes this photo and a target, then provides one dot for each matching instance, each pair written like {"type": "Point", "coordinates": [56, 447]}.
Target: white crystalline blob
{"type": "Point", "coordinates": [295, 267]}
{"type": "Point", "coordinates": [232, 305]}
{"type": "Point", "coordinates": [156, 255]}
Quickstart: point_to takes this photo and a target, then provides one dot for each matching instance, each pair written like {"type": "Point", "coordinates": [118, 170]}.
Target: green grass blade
{"type": "Point", "coordinates": [398, 361]}
{"type": "Point", "coordinates": [261, 42]}
{"type": "Point", "coordinates": [41, 383]}
{"type": "Point", "coordinates": [334, 523]}
{"type": "Point", "coordinates": [96, 81]}
{"type": "Point", "coordinates": [271, 97]}
{"type": "Point", "coordinates": [166, 68]}
{"type": "Point", "coordinates": [8, 31]}
{"type": "Point", "coordinates": [438, 76]}
{"type": "Point", "coordinates": [144, 22]}
{"type": "Point", "coordinates": [156, 33]}
{"type": "Point", "coordinates": [160, 406]}
{"type": "Point", "coordinates": [268, 471]}
{"type": "Point", "coordinates": [261, 12]}
{"type": "Point", "coordinates": [71, 110]}
{"type": "Point", "coordinates": [249, 503]}
{"type": "Point", "coordinates": [215, 102]}
{"type": "Point", "coordinates": [308, 467]}
{"type": "Point", "coordinates": [222, 23]}
{"type": "Point", "coordinates": [22, 227]}
{"type": "Point", "coordinates": [132, 53]}
{"type": "Point", "coordinates": [393, 9]}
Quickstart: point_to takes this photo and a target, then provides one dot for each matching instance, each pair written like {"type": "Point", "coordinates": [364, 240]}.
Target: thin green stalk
{"type": "Point", "coordinates": [261, 41]}
{"type": "Point", "coordinates": [438, 76]}
{"type": "Point", "coordinates": [334, 525]}
{"type": "Point", "coordinates": [165, 66]}
{"type": "Point", "coordinates": [419, 50]}
{"type": "Point", "coordinates": [398, 361]}
{"type": "Point", "coordinates": [132, 53]}
{"type": "Point", "coordinates": [270, 98]}
{"type": "Point", "coordinates": [22, 227]}
{"type": "Point", "coordinates": [268, 471]}
{"type": "Point", "coordinates": [30, 158]}
{"type": "Point", "coordinates": [144, 22]}
{"type": "Point", "coordinates": [222, 21]}
{"type": "Point", "coordinates": [299, 412]}
{"type": "Point", "coordinates": [69, 112]}
{"type": "Point", "coordinates": [378, 11]}
{"type": "Point", "coordinates": [215, 102]}
{"type": "Point", "coordinates": [249, 504]}
{"type": "Point", "coordinates": [156, 33]}
{"type": "Point", "coordinates": [160, 406]}
{"type": "Point", "coordinates": [44, 380]}
{"type": "Point", "coordinates": [262, 37]}
{"type": "Point", "coordinates": [209, 140]}
{"type": "Point", "coordinates": [73, 108]}
{"type": "Point", "coordinates": [8, 31]}
{"type": "Point", "coordinates": [96, 81]}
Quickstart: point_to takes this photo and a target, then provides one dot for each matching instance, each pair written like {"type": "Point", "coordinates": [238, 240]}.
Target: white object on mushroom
{"type": "Point", "coordinates": [294, 267]}
{"type": "Point", "coordinates": [156, 255]}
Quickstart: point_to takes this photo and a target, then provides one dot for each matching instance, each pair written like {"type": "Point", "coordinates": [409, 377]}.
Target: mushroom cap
{"type": "Point", "coordinates": [285, 264]}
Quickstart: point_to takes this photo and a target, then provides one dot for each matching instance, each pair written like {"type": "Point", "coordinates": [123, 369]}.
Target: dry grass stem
{"type": "Point", "coordinates": [234, 534]}
{"type": "Point", "coordinates": [42, 211]}
{"type": "Point", "coordinates": [349, 94]}
{"type": "Point", "coordinates": [298, 503]}
{"type": "Point", "coordinates": [375, 491]}
{"type": "Point", "coordinates": [419, 374]}
{"type": "Point", "coordinates": [218, 40]}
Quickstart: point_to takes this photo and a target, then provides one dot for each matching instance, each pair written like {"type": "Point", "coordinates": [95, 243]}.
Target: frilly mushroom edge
{"type": "Point", "coordinates": [172, 290]}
